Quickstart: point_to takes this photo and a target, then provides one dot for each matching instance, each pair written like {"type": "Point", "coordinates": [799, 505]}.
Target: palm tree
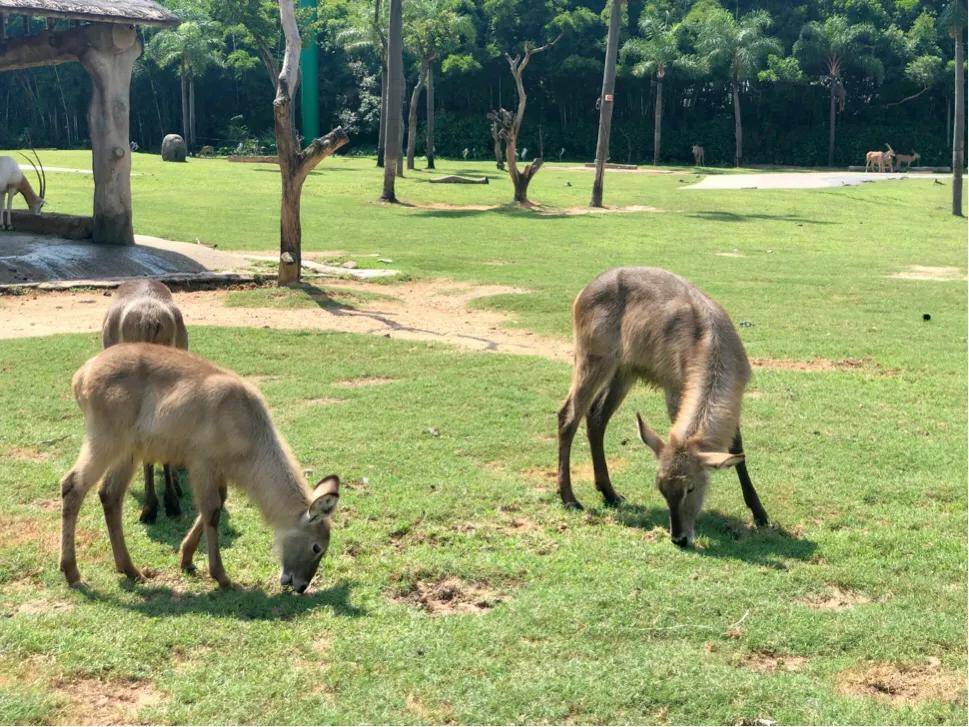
{"type": "Point", "coordinates": [954, 21]}
{"type": "Point", "coordinates": [434, 29]}
{"type": "Point", "coordinates": [741, 47]}
{"type": "Point", "coordinates": [366, 29]}
{"type": "Point", "coordinates": [831, 48]}
{"type": "Point", "coordinates": [656, 54]}
{"type": "Point", "coordinates": [192, 47]}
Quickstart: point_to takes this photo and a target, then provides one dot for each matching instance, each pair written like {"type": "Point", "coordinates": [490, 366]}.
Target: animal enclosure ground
{"type": "Point", "coordinates": [456, 588]}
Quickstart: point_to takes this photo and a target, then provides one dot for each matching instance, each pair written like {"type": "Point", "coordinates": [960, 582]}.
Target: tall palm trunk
{"type": "Point", "coordinates": [382, 127]}
{"type": "Point", "coordinates": [606, 102]}
{"type": "Point", "coordinates": [832, 114]}
{"type": "Point", "coordinates": [415, 98]}
{"type": "Point", "coordinates": [737, 128]}
{"type": "Point", "coordinates": [395, 91]}
{"type": "Point", "coordinates": [430, 116]}
{"type": "Point", "coordinates": [191, 112]}
{"type": "Point", "coordinates": [658, 119]}
{"type": "Point", "coordinates": [185, 124]}
{"type": "Point", "coordinates": [959, 131]}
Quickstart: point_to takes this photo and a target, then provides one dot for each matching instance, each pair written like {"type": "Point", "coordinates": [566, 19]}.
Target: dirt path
{"type": "Point", "coordinates": [437, 310]}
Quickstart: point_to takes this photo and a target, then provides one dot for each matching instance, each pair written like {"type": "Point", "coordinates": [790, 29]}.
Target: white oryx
{"type": "Point", "coordinates": [13, 182]}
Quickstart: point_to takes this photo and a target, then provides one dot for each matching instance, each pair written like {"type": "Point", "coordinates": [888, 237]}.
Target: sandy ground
{"type": "Point", "coordinates": [801, 180]}
{"type": "Point", "coordinates": [436, 310]}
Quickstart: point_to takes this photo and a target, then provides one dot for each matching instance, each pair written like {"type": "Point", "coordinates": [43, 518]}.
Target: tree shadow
{"type": "Point", "coordinates": [238, 602]}
{"type": "Point", "coordinates": [723, 216]}
{"type": "Point", "coordinates": [729, 536]}
{"type": "Point", "coordinates": [321, 297]}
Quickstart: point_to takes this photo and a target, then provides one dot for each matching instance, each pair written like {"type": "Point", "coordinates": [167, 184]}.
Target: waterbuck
{"type": "Point", "coordinates": [145, 402]}
{"type": "Point", "coordinates": [649, 324]}
{"type": "Point", "coordinates": [143, 311]}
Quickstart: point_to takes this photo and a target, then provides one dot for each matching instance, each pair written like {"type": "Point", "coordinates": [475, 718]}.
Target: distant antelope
{"type": "Point", "coordinates": [13, 182]}
{"type": "Point", "coordinates": [879, 159]}
{"type": "Point", "coordinates": [145, 402]}
{"type": "Point", "coordinates": [649, 324]}
{"type": "Point", "coordinates": [907, 159]}
{"type": "Point", "coordinates": [698, 155]}
{"type": "Point", "coordinates": [143, 311]}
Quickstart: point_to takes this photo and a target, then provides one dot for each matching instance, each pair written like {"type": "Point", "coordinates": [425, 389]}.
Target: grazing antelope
{"type": "Point", "coordinates": [649, 324]}
{"type": "Point", "coordinates": [13, 182]}
{"type": "Point", "coordinates": [907, 159]}
{"type": "Point", "coordinates": [145, 402]}
{"type": "Point", "coordinates": [698, 154]}
{"type": "Point", "coordinates": [879, 159]}
{"type": "Point", "coordinates": [143, 311]}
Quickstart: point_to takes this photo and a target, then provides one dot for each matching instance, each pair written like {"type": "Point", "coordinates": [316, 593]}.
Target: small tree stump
{"type": "Point", "coordinates": [454, 179]}
{"type": "Point", "coordinates": [174, 149]}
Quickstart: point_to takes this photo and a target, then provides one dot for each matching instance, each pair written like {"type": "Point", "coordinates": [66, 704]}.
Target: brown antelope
{"type": "Point", "coordinates": [907, 159]}
{"type": "Point", "coordinates": [697, 155]}
{"type": "Point", "coordinates": [145, 402]}
{"type": "Point", "coordinates": [649, 324]}
{"type": "Point", "coordinates": [879, 159]}
{"type": "Point", "coordinates": [143, 311]}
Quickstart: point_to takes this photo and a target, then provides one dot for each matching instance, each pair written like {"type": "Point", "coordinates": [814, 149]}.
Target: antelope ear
{"type": "Point", "coordinates": [719, 460]}
{"type": "Point", "coordinates": [325, 497]}
{"type": "Point", "coordinates": [650, 438]}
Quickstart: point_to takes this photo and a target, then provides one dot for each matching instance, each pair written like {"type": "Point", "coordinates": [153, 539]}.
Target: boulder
{"type": "Point", "coordinates": [174, 149]}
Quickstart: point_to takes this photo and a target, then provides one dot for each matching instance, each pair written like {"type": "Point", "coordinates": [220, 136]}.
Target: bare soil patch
{"type": "Point", "coordinates": [835, 599]}
{"type": "Point", "coordinates": [363, 381]}
{"type": "Point", "coordinates": [580, 472]}
{"type": "Point", "coordinates": [27, 454]}
{"type": "Point", "coordinates": [574, 211]}
{"type": "Point", "coordinates": [929, 272]}
{"type": "Point", "coordinates": [815, 365]}
{"type": "Point", "coordinates": [904, 683]}
{"type": "Point", "coordinates": [429, 310]}
{"type": "Point", "coordinates": [323, 401]}
{"type": "Point", "coordinates": [729, 254]}
{"type": "Point", "coordinates": [767, 662]}
{"type": "Point", "coordinates": [455, 207]}
{"type": "Point", "coordinates": [98, 701]}
{"type": "Point", "coordinates": [450, 596]}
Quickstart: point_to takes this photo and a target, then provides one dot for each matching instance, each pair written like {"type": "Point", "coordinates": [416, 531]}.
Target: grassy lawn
{"type": "Point", "coordinates": [851, 610]}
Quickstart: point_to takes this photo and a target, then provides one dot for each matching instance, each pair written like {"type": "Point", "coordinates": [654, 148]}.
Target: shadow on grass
{"type": "Point", "coordinates": [242, 603]}
{"type": "Point", "coordinates": [729, 536]}
{"type": "Point", "coordinates": [722, 216]}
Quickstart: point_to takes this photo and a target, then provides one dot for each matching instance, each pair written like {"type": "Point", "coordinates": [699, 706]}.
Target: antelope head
{"type": "Point", "coordinates": [41, 200]}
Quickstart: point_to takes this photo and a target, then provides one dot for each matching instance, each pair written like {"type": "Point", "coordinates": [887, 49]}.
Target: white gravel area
{"type": "Point", "coordinates": [801, 180]}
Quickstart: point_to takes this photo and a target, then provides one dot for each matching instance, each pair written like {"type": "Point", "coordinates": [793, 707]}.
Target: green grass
{"type": "Point", "coordinates": [600, 618]}
{"type": "Point", "coordinates": [302, 295]}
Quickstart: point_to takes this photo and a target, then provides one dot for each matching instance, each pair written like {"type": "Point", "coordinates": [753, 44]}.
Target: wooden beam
{"type": "Point", "coordinates": [45, 49]}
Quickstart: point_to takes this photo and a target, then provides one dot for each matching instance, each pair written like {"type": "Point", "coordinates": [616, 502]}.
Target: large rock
{"type": "Point", "coordinates": [174, 148]}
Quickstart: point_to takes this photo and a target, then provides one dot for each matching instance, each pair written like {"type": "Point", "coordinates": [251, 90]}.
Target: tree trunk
{"type": "Point", "coordinates": [400, 143]}
{"type": "Point", "coordinates": [606, 102]}
{"type": "Point", "coordinates": [430, 116]}
{"type": "Point", "coordinates": [415, 98]}
{"type": "Point", "coordinates": [294, 163]}
{"type": "Point", "coordinates": [191, 112]}
{"type": "Point", "coordinates": [109, 59]}
{"type": "Point", "coordinates": [185, 124]}
{"type": "Point", "coordinates": [959, 129]}
{"type": "Point", "coordinates": [658, 120]}
{"type": "Point", "coordinates": [832, 114]}
{"type": "Point", "coordinates": [395, 73]}
{"type": "Point", "coordinates": [737, 128]}
{"type": "Point", "coordinates": [382, 126]}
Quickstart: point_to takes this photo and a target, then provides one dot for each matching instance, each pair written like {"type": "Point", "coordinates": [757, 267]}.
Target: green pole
{"type": "Point", "coordinates": [310, 84]}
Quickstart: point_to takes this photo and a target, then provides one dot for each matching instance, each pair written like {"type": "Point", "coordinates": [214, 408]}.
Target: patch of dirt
{"type": "Point", "coordinates": [41, 607]}
{"type": "Point", "coordinates": [835, 599]}
{"type": "Point", "coordinates": [455, 207]}
{"type": "Point", "coordinates": [260, 379]}
{"type": "Point", "coordinates": [363, 381]}
{"type": "Point", "coordinates": [729, 254]}
{"type": "Point", "coordinates": [574, 211]}
{"type": "Point", "coordinates": [98, 701]}
{"type": "Point", "coordinates": [323, 401]}
{"type": "Point", "coordinates": [613, 170]}
{"type": "Point", "coordinates": [27, 454]}
{"type": "Point", "coordinates": [928, 272]}
{"type": "Point", "coordinates": [580, 472]}
{"type": "Point", "coordinates": [815, 365]}
{"type": "Point", "coordinates": [766, 662]}
{"type": "Point", "coordinates": [428, 310]}
{"type": "Point", "coordinates": [904, 683]}
{"type": "Point", "coordinates": [451, 596]}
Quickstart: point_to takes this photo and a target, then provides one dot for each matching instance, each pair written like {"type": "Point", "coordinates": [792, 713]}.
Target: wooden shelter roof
{"type": "Point", "coordinates": [135, 12]}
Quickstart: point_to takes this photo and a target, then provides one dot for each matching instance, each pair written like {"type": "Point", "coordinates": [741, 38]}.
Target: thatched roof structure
{"type": "Point", "coordinates": [134, 12]}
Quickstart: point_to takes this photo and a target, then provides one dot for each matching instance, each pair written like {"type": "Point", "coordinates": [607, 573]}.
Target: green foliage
{"type": "Point", "coordinates": [740, 47]}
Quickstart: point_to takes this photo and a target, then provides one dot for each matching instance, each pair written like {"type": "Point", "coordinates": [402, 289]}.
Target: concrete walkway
{"type": "Point", "coordinates": [801, 180]}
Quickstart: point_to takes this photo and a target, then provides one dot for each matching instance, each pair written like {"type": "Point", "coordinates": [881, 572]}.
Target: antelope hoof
{"type": "Point", "coordinates": [136, 576]}
{"type": "Point", "coordinates": [224, 582]}
{"type": "Point", "coordinates": [150, 514]}
{"type": "Point", "coordinates": [189, 568]}
{"type": "Point", "coordinates": [761, 521]}
{"type": "Point", "coordinates": [172, 509]}
{"type": "Point", "coordinates": [572, 505]}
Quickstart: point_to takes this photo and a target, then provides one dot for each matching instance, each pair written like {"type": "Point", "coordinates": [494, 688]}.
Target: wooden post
{"type": "Point", "coordinates": [109, 59]}
{"type": "Point", "coordinates": [606, 101]}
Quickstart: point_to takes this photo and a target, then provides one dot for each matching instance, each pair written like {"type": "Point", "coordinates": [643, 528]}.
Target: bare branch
{"type": "Point", "coordinates": [319, 149]}
{"type": "Point", "coordinates": [289, 75]}
{"type": "Point", "coordinates": [907, 98]}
